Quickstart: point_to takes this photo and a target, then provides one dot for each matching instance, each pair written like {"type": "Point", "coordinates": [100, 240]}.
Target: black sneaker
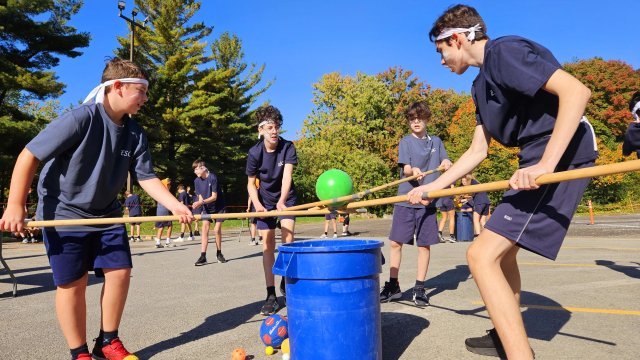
{"type": "Point", "coordinates": [488, 345]}
{"type": "Point", "coordinates": [452, 239]}
{"type": "Point", "coordinates": [420, 297]}
{"type": "Point", "coordinates": [196, 233]}
{"type": "Point", "coordinates": [390, 292]}
{"type": "Point", "coordinates": [270, 306]}
{"type": "Point", "coordinates": [202, 260]}
{"type": "Point", "coordinates": [221, 258]}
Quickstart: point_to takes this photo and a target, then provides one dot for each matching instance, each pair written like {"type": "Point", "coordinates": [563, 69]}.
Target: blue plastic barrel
{"type": "Point", "coordinates": [333, 302]}
{"type": "Point", "coordinates": [464, 226]}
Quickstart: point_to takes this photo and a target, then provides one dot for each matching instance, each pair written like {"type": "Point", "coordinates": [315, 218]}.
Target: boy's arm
{"type": "Point", "coordinates": [287, 176]}
{"type": "Point", "coordinates": [572, 100]}
{"type": "Point", "coordinates": [21, 178]}
{"type": "Point", "coordinates": [159, 192]}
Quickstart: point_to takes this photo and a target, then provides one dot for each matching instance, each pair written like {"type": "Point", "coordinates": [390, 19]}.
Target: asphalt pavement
{"type": "Point", "coordinates": [582, 306]}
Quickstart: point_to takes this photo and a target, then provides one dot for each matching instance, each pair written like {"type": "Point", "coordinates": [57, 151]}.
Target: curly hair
{"type": "Point", "coordinates": [459, 16]}
{"type": "Point", "coordinates": [268, 113]}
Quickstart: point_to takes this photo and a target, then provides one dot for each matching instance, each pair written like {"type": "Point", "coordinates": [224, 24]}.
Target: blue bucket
{"type": "Point", "coordinates": [464, 226]}
{"type": "Point", "coordinates": [333, 301]}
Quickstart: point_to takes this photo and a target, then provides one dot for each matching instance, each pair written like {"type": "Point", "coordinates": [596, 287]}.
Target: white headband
{"type": "Point", "coordinates": [635, 110]}
{"type": "Point", "coordinates": [98, 91]}
{"type": "Point", "coordinates": [445, 33]}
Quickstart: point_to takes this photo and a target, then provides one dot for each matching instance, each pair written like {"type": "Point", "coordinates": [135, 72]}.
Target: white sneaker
{"type": "Point", "coordinates": [179, 239]}
{"type": "Point", "coordinates": [335, 236]}
{"type": "Point", "coordinates": [158, 245]}
{"type": "Point", "coordinates": [190, 238]}
{"type": "Point", "coordinates": [25, 241]}
{"type": "Point", "coordinates": [169, 243]}
{"type": "Point", "coordinates": [323, 236]}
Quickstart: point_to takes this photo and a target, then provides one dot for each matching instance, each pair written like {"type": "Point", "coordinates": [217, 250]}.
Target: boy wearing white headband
{"type": "Point", "coordinates": [88, 153]}
{"type": "Point", "coordinates": [523, 99]}
{"type": "Point", "coordinates": [271, 161]}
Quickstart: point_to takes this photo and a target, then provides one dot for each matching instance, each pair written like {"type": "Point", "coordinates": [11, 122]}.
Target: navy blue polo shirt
{"type": "Point", "coordinates": [87, 157]}
{"type": "Point", "coordinates": [205, 188]}
{"type": "Point", "coordinates": [268, 167]}
{"type": "Point", "coordinates": [134, 205]}
{"type": "Point", "coordinates": [481, 197]}
{"type": "Point", "coordinates": [512, 105]}
{"type": "Point", "coordinates": [425, 154]}
{"type": "Point", "coordinates": [632, 140]}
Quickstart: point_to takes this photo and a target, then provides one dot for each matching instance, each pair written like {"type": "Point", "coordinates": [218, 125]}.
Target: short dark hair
{"type": "Point", "coordinates": [459, 16]}
{"type": "Point", "coordinates": [418, 110]}
{"type": "Point", "coordinates": [198, 162]}
{"type": "Point", "coordinates": [268, 113]}
{"type": "Point", "coordinates": [117, 68]}
{"type": "Point", "coordinates": [634, 100]}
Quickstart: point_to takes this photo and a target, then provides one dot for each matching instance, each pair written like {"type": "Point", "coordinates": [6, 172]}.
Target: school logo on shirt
{"type": "Point", "coordinates": [281, 163]}
{"type": "Point", "coordinates": [508, 218]}
{"type": "Point", "coordinates": [125, 153]}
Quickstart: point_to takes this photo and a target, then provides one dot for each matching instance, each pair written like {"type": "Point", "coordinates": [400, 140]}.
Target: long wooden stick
{"type": "Point", "coordinates": [595, 171]}
{"type": "Point", "coordinates": [360, 195]}
{"type": "Point", "coordinates": [137, 219]}
{"type": "Point", "coordinates": [601, 170]}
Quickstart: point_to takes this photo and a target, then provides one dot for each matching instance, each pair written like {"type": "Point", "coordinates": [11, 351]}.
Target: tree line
{"type": "Point", "coordinates": [202, 93]}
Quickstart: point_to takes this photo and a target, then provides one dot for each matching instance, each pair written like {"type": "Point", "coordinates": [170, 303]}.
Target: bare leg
{"type": "Point", "coordinates": [396, 258]}
{"type": "Point", "coordinates": [114, 295]}
{"type": "Point", "coordinates": [489, 257]}
{"type": "Point", "coordinates": [71, 308]}
{"type": "Point", "coordinates": [217, 230]}
{"type": "Point", "coordinates": [477, 227]}
{"type": "Point", "coordinates": [452, 222]}
{"type": "Point", "coordinates": [268, 257]}
{"type": "Point", "coordinates": [424, 255]}
{"type": "Point", "coordinates": [204, 236]}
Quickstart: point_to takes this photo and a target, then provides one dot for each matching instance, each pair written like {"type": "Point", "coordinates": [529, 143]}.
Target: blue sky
{"type": "Point", "coordinates": [299, 41]}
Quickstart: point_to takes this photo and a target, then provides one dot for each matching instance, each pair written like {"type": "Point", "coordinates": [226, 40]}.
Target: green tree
{"type": "Point", "coordinates": [33, 35]}
{"type": "Point", "coordinates": [199, 97]}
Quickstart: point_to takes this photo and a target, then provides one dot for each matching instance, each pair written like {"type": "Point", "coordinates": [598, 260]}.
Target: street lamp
{"type": "Point", "coordinates": [132, 22]}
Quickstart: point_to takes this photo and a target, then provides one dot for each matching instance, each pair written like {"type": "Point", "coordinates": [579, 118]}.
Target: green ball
{"type": "Point", "coordinates": [333, 184]}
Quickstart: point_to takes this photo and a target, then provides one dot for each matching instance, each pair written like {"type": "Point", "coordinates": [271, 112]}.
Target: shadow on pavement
{"type": "Point", "coordinates": [398, 331]}
{"type": "Point", "coordinates": [214, 324]}
{"type": "Point", "coordinates": [448, 280]}
{"type": "Point", "coordinates": [630, 271]}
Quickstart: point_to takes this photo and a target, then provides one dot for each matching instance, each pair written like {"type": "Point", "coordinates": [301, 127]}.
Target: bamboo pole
{"type": "Point", "coordinates": [594, 171]}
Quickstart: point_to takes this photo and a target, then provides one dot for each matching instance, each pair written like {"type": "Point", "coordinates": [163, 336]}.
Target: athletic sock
{"type": "Point", "coordinates": [82, 349]}
{"type": "Point", "coordinates": [419, 284]}
{"type": "Point", "coordinates": [393, 281]}
{"type": "Point", "coordinates": [108, 337]}
{"type": "Point", "coordinates": [203, 253]}
{"type": "Point", "coordinates": [271, 290]}
{"type": "Point", "coordinates": [218, 252]}
{"type": "Point", "coordinates": [181, 234]}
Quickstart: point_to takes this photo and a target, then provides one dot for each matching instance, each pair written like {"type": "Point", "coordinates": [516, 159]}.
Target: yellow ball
{"type": "Point", "coordinates": [285, 346]}
{"type": "Point", "coordinates": [268, 350]}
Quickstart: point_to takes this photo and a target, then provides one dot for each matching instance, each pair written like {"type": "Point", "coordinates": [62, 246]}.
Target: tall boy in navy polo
{"type": "Point", "coordinates": [271, 161]}
{"type": "Point", "coordinates": [134, 209]}
{"type": "Point", "coordinates": [87, 153]}
{"type": "Point", "coordinates": [418, 152]}
{"type": "Point", "coordinates": [210, 201]}
{"type": "Point", "coordinates": [523, 99]}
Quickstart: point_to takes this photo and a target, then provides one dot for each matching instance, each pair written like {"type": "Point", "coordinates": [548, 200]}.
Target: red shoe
{"type": "Point", "coordinates": [85, 356]}
{"type": "Point", "coordinates": [116, 351]}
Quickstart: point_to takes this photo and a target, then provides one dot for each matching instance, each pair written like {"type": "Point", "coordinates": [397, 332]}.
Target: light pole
{"type": "Point", "coordinates": [132, 22]}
